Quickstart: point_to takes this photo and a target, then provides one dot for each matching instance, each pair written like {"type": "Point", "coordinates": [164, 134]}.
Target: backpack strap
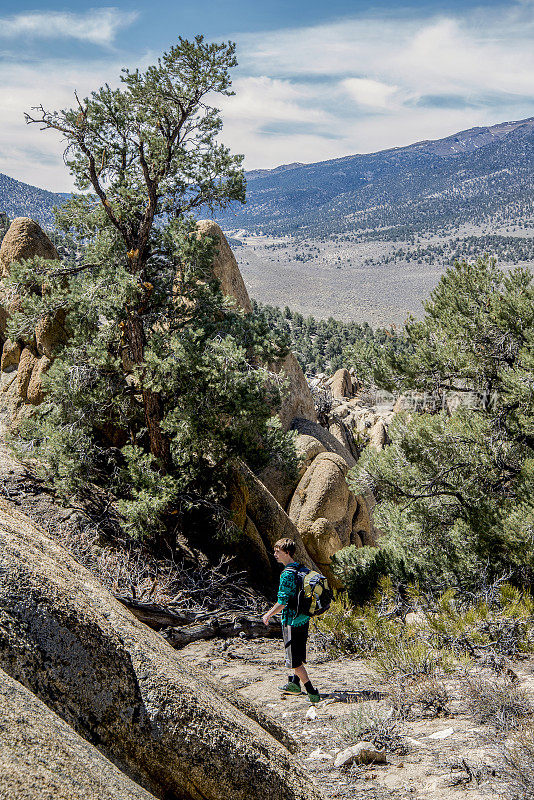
{"type": "Point", "coordinates": [294, 568]}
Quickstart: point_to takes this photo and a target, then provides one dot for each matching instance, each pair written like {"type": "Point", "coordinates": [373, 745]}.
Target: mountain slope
{"type": "Point", "coordinates": [476, 175]}
{"type": "Point", "coordinates": [19, 199]}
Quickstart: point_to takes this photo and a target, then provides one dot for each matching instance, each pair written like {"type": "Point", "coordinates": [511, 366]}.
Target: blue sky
{"type": "Point", "coordinates": [316, 80]}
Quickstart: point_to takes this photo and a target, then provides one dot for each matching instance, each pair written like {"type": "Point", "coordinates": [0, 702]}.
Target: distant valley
{"type": "Point", "coordinates": [366, 237]}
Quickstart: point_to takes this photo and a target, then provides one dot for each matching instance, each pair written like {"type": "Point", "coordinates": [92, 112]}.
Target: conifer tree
{"type": "Point", "coordinates": [157, 385]}
{"type": "Point", "coordinates": [455, 487]}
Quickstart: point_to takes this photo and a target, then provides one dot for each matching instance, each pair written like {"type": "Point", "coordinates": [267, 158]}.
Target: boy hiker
{"type": "Point", "coordinates": [294, 626]}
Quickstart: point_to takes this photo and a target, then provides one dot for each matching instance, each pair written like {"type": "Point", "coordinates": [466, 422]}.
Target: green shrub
{"type": "Point", "coordinates": [420, 696]}
{"type": "Point", "coordinates": [454, 489]}
{"type": "Point", "coordinates": [448, 632]}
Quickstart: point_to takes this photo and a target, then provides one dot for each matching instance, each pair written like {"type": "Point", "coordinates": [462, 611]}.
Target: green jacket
{"type": "Point", "coordinates": [287, 595]}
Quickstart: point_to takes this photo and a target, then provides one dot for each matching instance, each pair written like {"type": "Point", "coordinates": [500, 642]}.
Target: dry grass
{"type": "Point", "coordinates": [498, 702]}
{"type": "Point", "coordinates": [131, 572]}
{"type": "Point", "coordinates": [423, 697]}
{"type": "Point", "coordinates": [374, 723]}
{"type": "Point", "coordinates": [518, 764]}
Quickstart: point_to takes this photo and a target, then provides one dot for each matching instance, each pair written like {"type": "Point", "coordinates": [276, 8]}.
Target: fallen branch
{"type": "Point", "coordinates": [216, 628]}
{"type": "Point", "coordinates": [183, 627]}
{"type": "Point", "coordinates": [156, 616]}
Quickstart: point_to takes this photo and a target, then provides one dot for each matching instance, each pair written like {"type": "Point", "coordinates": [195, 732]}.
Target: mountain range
{"type": "Point", "coordinates": [19, 199]}
{"type": "Point", "coordinates": [479, 175]}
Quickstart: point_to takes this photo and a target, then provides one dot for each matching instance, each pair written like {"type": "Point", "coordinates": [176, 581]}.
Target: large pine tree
{"type": "Point", "coordinates": [156, 388]}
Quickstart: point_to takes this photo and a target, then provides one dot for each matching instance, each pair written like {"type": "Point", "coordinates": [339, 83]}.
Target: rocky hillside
{"type": "Point", "coordinates": [313, 506]}
{"type": "Point", "coordinates": [99, 702]}
{"type": "Point", "coordinates": [79, 672]}
{"type": "Point", "coordinates": [475, 175]}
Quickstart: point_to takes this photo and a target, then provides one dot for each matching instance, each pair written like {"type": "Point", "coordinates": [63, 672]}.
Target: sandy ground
{"type": "Point", "coordinates": [439, 758]}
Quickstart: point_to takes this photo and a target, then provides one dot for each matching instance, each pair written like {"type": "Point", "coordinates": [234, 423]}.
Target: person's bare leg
{"type": "Point", "coordinates": [301, 673]}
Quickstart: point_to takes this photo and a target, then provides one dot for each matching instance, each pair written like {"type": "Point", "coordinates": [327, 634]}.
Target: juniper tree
{"type": "Point", "coordinates": [158, 384]}
{"type": "Point", "coordinates": [456, 488]}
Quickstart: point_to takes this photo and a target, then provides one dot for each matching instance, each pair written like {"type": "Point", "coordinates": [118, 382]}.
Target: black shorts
{"type": "Point", "coordinates": [295, 637]}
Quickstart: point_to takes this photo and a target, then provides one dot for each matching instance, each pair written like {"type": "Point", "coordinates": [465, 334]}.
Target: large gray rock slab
{"type": "Point", "coordinates": [42, 758]}
{"type": "Point", "coordinates": [121, 686]}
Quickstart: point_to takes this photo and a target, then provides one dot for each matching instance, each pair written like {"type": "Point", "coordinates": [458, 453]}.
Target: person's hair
{"type": "Point", "coordinates": [287, 546]}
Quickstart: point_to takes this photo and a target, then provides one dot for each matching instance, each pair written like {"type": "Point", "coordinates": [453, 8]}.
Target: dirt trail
{"type": "Point", "coordinates": [443, 758]}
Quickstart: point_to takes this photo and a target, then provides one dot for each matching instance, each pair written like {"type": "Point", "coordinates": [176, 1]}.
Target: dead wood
{"type": "Point", "coordinates": [246, 627]}
{"type": "Point", "coordinates": [156, 616]}
{"type": "Point", "coordinates": [180, 628]}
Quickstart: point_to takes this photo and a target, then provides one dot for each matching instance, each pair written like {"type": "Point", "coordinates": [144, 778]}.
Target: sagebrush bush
{"type": "Point", "coordinates": [499, 619]}
{"type": "Point", "coordinates": [421, 696]}
{"type": "Point", "coordinates": [378, 631]}
{"type": "Point", "coordinates": [518, 767]}
{"type": "Point", "coordinates": [448, 631]}
{"type": "Point", "coordinates": [373, 723]}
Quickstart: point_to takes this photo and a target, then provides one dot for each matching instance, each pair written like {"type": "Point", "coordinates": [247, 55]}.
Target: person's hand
{"type": "Point", "coordinates": [266, 619]}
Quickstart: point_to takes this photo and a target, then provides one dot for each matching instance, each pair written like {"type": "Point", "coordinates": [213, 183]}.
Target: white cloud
{"type": "Point", "coordinates": [26, 153]}
{"type": "Point", "coordinates": [371, 93]}
{"type": "Point", "coordinates": [368, 134]}
{"type": "Point", "coordinates": [386, 81]}
{"type": "Point", "coordinates": [97, 26]}
{"type": "Point", "coordinates": [318, 92]}
{"type": "Point", "coordinates": [475, 51]}
{"type": "Point", "coordinates": [264, 99]}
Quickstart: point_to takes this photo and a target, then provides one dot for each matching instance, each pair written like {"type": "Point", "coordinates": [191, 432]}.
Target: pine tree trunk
{"type": "Point", "coordinates": [153, 407]}
{"type": "Point", "coordinates": [159, 443]}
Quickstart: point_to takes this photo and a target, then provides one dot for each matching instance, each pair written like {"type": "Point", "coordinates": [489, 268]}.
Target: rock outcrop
{"type": "Point", "coordinates": [270, 518]}
{"type": "Point", "coordinates": [330, 443]}
{"type": "Point", "coordinates": [278, 482]}
{"type": "Point", "coordinates": [42, 757]}
{"type": "Point", "coordinates": [298, 401]}
{"type": "Point", "coordinates": [341, 384]}
{"type": "Point", "coordinates": [323, 510]}
{"type": "Point", "coordinates": [33, 355]}
{"type": "Point", "coordinates": [23, 240]}
{"type": "Point", "coordinates": [119, 684]}
{"type": "Point", "coordinates": [225, 266]}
